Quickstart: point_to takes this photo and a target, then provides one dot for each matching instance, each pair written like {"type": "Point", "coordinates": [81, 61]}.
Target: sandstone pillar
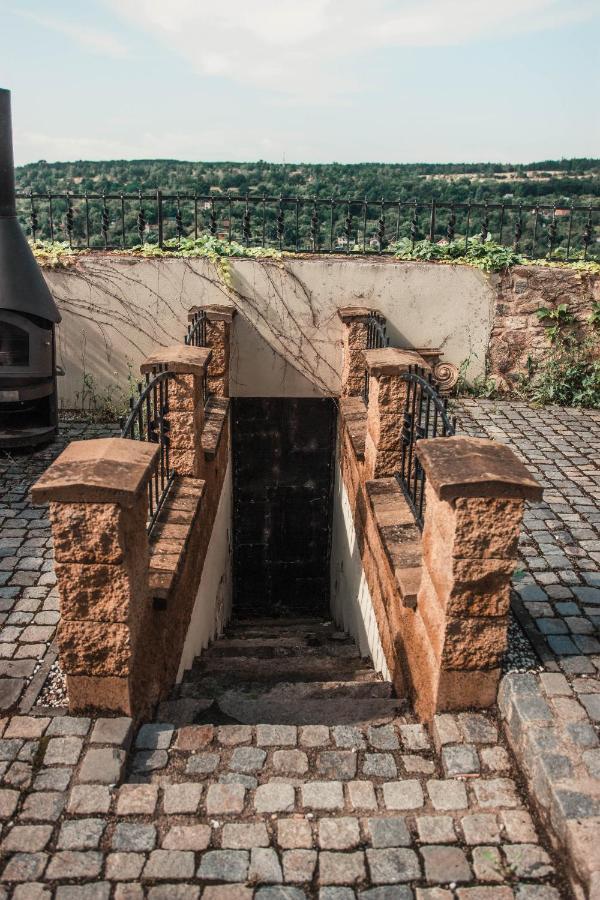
{"type": "Point", "coordinates": [387, 396]}
{"type": "Point", "coordinates": [354, 341]}
{"type": "Point", "coordinates": [475, 494]}
{"type": "Point", "coordinates": [98, 498]}
{"type": "Point", "coordinates": [219, 320]}
{"type": "Point", "coordinates": [187, 366]}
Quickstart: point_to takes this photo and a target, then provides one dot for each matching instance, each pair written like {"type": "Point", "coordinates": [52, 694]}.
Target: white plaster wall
{"type": "Point", "coordinates": [287, 336]}
{"type": "Point", "coordinates": [212, 606]}
{"type": "Point", "coordinates": [351, 605]}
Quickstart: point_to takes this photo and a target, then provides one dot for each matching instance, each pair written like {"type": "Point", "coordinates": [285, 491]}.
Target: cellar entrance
{"type": "Point", "coordinates": [283, 470]}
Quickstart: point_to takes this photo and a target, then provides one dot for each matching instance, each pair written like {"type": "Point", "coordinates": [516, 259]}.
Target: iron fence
{"type": "Point", "coordinates": [196, 337]}
{"type": "Point", "coordinates": [377, 338]}
{"type": "Point", "coordinates": [148, 421]}
{"type": "Point", "coordinates": [425, 416]}
{"type": "Point", "coordinates": [305, 224]}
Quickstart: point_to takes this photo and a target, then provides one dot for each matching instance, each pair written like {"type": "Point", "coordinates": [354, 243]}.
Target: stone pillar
{"type": "Point", "coordinates": [475, 494]}
{"type": "Point", "coordinates": [354, 341]}
{"type": "Point", "coordinates": [387, 395]}
{"type": "Point", "coordinates": [219, 320]}
{"type": "Point", "coordinates": [187, 366]}
{"type": "Point", "coordinates": [98, 498]}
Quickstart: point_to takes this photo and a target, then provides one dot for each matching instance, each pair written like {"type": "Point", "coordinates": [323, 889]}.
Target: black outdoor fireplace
{"type": "Point", "coordinates": [28, 315]}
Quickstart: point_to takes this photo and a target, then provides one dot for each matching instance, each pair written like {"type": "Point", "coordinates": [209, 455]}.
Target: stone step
{"type": "Point", "coordinates": [372, 687]}
{"type": "Point", "coordinates": [288, 668]}
{"type": "Point", "coordinates": [273, 648]}
{"type": "Point", "coordinates": [237, 709]}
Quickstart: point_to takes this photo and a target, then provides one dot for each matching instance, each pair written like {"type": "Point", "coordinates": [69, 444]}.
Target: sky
{"type": "Point", "coordinates": [303, 80]}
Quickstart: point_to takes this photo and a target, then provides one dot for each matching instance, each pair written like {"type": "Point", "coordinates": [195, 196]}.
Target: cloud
{"type": "Point", "coordinates": [310, 48]}
{"type": "Point", "coordinates": [91, 38]}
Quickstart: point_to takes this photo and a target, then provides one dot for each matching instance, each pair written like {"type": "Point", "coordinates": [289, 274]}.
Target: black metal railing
{"type": "Point", "coordinates": [425, 416]}
{"type": "Point", "coordinates": [148, 421]}
{"type": "Point", "coordinates": [196, 337]}
{"type": "Point", "coordinates": [377, 338]}
{"type": "Point", "coordinates": [196, 332]}
{"type": "Point", "coordinates": [305, 224]}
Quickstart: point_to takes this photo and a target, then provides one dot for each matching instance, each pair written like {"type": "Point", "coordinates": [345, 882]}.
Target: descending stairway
{"type": "Point", "coordinates": [281, 671]}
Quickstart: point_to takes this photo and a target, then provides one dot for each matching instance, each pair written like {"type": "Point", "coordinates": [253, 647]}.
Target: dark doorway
{"type": "Point", "coordinates": [283, 454]}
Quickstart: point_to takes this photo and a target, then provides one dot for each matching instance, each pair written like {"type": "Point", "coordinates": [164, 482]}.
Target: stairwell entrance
{"type": "Point", "coordinates": [283, 469]}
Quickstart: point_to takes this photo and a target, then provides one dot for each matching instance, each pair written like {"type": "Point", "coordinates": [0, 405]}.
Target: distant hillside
{"type": "Point", "coordinates": [563, 181]}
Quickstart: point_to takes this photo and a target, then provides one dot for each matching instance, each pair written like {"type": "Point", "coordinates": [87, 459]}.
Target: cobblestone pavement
{"type": "Point", "coordinates": [274, 811]}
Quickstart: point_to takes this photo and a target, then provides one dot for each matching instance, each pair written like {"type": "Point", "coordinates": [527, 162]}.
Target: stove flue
{"type": "Point", "coordinates": [28, 315]}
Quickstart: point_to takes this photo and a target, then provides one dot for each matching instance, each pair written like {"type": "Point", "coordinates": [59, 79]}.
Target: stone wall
{"type": "Point", "coordinates": [516, 330]}
{"type": "Point", "coordinates": [287, 335]}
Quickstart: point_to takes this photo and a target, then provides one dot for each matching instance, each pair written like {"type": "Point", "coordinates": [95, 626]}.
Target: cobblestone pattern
{"type": "Point", "coordinates": [28, 595]}
{"type": "Point", "coordinates": [266, 811]}
{"type": "Point", "coordinates": [553, 718]}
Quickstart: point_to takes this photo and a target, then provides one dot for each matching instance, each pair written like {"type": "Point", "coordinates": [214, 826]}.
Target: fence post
{"type": "Point", "coordinates": [354, 341]}
{"type": "Point", "coordinates": [159, 217]}
{"type": "Point", "coordinates": [475, 494]}
{"type": "Point", "coordinates": [185, 416]}
{"type": "Point", "coordinates": [219, 321]}
{"type": "Point", "coordinates": [97, 491]}
{"type": "Point", "coordinates": [385, 412]}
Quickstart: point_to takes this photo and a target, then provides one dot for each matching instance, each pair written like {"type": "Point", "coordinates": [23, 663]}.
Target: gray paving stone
{"type": "Point", "coordinates": [155, 736]}
{"type": "Point", "coordinates": [86, 799]}
{"type": "Point", "coordinates": [379, 765]}
{"type": "Point", "coordinates": [80, 834]}
{"type": "Point", "coordinates": [274, 797]}
{"type": "Point", "coordinates": [528, 860]}
{"type": "Point", "coordinates": [115, 731]}
{"type": "Point", "coordinates": [134, 837]}
{"type": "Point", "coordinates": [391, 831]}
{"type": "Point", "coordinates": [265, 867]}
{"type": "Point", "coordinates": [414, 737]}
{"type": "Point", "coordinates": [169, 865]}
{"type": "Point", "coordinates": [63, 751]}
{"type": "Point", "coordinates": [339, 834]}
{"type": "Point", "coordinates": [393, 866]}
{"type": "Point", "coordinates": [406, 794]}
{"type": "Point", "coordinates": [100, 890]}
{"type": "Point", "coordinates": [204, 763]}
{"type": "Point", "coordinates": [337, 764]}
{"type": "Point", "coordinates": [481, 828]}
{"type": "Point", "coordinates": [149, 760]}
{"type": "Point", "coordinates": [383, 737]}
{"type": "Point", "coordinates": [342, 868]}
{"type": "Point", "coordinates": [181, 798]}
{"type": "Point", "coordinates": [67, 864]}
{"type": "Point", "coordinates": [68, 725]}
{"type": "Point", "coordinates": [244, 836]}
{"type": "Point", "coordinates": [247, 759]}
{"type": "Point", "coordinates": [348, 737]}
{"type": "Point", "coordinates": [436, 830]}
{"type": "Point", "coordinates": [299, 865]}
{"type": "Point", "coordinates": [224, 865]}
{"type": "Point", "coordinates": [445, 864]}
{"type": "Point", "coordinates": [225, 799]}
{"type": "Point", "coordinates": [460, 759]}
{"type": "Point", "coordinates": [488, 864]}
{"type": "Point", "coordinates": [276, 735]}
{"type": "Point", "coordinates": [103, 765]}
{"type": "Point", "coordinates": [326, 795]}
{"type": "Point", "coordinates": [447, 794]}
{"type": "Point", "coordinates": [25, 867]}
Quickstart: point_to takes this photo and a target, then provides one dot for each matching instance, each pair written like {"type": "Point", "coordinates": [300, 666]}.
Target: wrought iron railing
{"type": "Point", "coordinates": [148, 421]}
{"type": "Point", "coordinates": [196, 332]}
{"type": "Point", "coordinates": [196, 337]}
{"type": "Point", "coordinates": [377, 338]}
{"type": "Point", "coordinates": [425, 416]}
{"type": "Point", "coordinates": [305, 224]}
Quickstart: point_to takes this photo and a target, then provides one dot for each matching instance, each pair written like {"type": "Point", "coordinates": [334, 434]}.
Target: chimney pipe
{"type": "Point", "coordinates": [7, 165]}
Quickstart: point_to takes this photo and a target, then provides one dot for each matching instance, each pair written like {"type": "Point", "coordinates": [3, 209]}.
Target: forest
{"type": "Point", "coordinates": [329, 207]}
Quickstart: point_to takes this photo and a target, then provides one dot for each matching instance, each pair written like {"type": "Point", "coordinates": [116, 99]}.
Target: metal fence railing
{"type": "Point", "coordinates": [425, 416]}
{"type": "Point", "coordinates": [148, 420]}
{"type": "Point", "coordinates": [305, 224]}
{"type": "Point", "coordinates": [377, 338]}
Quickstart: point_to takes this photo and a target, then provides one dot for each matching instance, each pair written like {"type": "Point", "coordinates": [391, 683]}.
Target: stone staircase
{"type": "Point", "coordinates": [282, 671]}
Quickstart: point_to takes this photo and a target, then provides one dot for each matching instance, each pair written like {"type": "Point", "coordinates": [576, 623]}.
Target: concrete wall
{"type": "Point", "coordinates": [287, 335]}
{"type": "Point", "coordinates": [212, 606]}
{"type": "Point", "coordinates": [351, 605]}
